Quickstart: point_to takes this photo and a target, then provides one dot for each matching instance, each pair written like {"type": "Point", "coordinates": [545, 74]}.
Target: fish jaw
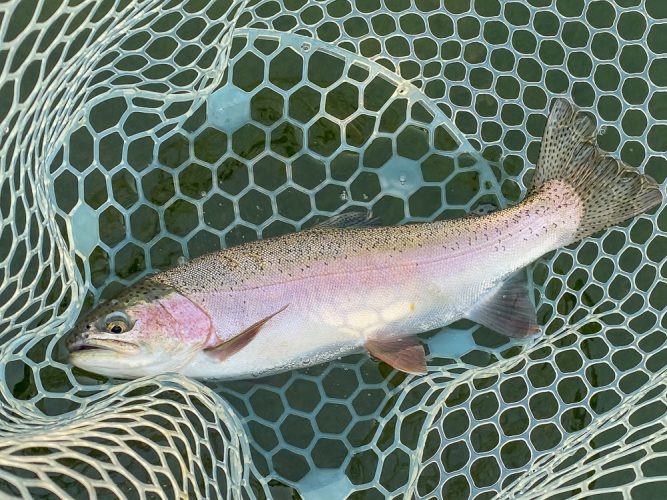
{"type": "Point", "coordinates": [106, 356]}
{"type": "Point", "coordinates": [82, 342]}
{"type": "Point", "coordinates": [111, 357]}
{"type": "Point", "coordinates": [111, 364]}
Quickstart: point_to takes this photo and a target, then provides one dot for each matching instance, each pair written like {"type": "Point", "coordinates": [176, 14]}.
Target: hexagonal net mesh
{"type": "Point", "coordinates": [136, 134]}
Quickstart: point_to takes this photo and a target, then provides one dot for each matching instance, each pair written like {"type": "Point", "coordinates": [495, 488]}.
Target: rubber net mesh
{"type": "Point", "coordinates": [137, 134]}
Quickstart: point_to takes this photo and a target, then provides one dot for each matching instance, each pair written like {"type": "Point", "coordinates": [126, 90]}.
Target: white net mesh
{"type": "Point", "coordinates": [130, 141]}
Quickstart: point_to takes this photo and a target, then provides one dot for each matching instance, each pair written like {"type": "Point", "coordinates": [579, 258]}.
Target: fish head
{"type": "Point", "coordinates": [149, 329]}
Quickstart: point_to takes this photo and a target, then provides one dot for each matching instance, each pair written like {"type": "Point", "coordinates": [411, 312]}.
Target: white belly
{"type": "Point", "coordinates": [309, 331]}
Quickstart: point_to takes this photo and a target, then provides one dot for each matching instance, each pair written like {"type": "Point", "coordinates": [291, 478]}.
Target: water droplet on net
{"type": "Point", "coordinates": [402, 178]}
{"type": "Point", "coordinates": [484, 208]}
{"type": "Point", "coordinates": [343, 196]}
{"type": "Point", "coordinates": [181, 260]}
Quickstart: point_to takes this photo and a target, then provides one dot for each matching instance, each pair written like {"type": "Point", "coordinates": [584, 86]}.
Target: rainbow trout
{"type": "Point", "coordinates": [313, 296]}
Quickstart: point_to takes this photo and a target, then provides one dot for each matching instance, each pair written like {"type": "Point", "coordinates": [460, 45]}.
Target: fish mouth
{"type": "Point", "coordinates": [79, 345]}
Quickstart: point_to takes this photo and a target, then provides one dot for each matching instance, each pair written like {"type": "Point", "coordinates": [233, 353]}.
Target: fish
{"type": "Point", "coordinates": [350, 285]}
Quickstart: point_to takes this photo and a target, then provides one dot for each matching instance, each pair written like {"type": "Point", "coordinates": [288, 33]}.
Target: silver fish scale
{"type": "Point", "coordinates": [138, 134]}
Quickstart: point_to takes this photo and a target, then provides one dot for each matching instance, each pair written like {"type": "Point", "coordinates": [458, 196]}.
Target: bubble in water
{"type": "Point", "coordinates": [305, 46]}
{"type": "Point", "coordinates": [343, 196]}
{"type": "Point", "coordinates": [202, 193]}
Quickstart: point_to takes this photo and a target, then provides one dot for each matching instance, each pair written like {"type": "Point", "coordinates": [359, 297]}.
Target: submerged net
{"type": "Point", "coordinates": [139, 134]}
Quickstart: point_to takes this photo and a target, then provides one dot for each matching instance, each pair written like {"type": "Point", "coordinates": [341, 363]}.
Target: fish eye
{"type": "Point", "coordinates": [117, 326]}
{"type": "Point", "coordinates": [117, 323]}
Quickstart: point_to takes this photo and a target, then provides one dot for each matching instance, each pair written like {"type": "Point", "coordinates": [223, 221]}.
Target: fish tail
{"type": "Point", "coordinates": [607, 190]}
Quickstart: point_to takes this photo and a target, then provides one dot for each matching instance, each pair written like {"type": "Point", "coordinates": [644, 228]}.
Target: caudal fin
{"type": "Point", "coordinates": [609, 190]}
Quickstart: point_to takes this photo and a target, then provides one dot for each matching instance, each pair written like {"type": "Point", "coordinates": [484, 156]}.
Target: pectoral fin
{"type": "Point", "coordinates": [509, 310]}
{"type": "Point", "coordinates": [405, 353]}
{"type": "Point", "coordinates": [229, 347]}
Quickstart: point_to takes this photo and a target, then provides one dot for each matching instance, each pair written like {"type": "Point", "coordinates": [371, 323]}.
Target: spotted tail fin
{"type": "Point", "coordinates": [609, 190]}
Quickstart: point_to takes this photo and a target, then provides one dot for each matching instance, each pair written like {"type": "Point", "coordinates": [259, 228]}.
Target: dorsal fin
{"type": "Point", "coordinates": [403, 353]}
{"type": "Point", "coordinates": [229, 347]}
{"type": "Point", "coordinates": [508, 310]}
{"type": "Point", "coordinates": [349, 219]}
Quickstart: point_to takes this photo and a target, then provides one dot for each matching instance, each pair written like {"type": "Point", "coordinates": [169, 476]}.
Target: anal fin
{"type": "Point", "coordinates": [508, 310]}
{"type": "Point", "coordinates": [403, 353]}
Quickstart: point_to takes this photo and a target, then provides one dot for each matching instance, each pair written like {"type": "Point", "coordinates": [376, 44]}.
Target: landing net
{"type": "Point", "coordinates": [138, 134]}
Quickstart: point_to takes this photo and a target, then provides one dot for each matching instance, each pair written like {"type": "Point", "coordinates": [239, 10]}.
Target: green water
{"type": "Point", "coordinates": [203, 189]}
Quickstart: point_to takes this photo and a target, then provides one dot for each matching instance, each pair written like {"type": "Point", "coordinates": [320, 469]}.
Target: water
{"type": "Point", "coordinates": [312, 430]}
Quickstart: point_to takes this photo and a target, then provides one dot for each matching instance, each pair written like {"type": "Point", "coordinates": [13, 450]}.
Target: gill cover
{"type": "Point", "coordinates": [191, 318]}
